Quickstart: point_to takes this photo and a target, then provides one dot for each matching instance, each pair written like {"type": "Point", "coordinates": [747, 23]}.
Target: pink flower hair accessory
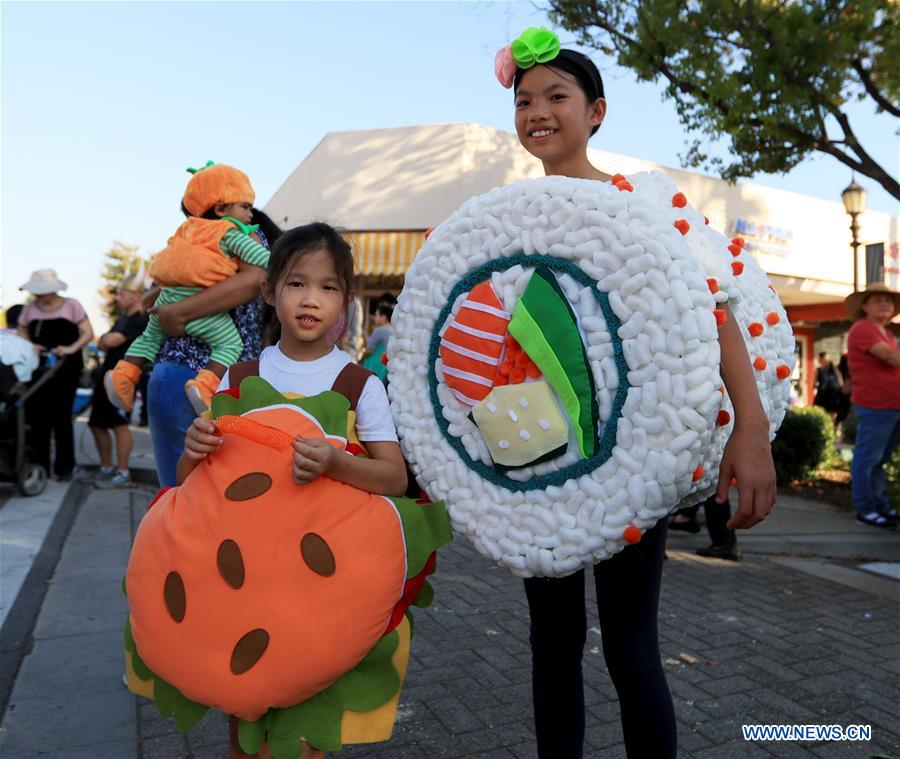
{"type": "Point", "coordinates": [505, 66]}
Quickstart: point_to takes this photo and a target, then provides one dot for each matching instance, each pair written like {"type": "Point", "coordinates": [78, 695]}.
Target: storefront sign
{"type": "Point", "coordinates": [764, 238]}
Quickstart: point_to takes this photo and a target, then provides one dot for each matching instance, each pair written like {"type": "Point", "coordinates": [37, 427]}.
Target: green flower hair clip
{"type": "Point", "coordinates": [190, 170]}
{"type": "Point", "coordinates": [535, 45]}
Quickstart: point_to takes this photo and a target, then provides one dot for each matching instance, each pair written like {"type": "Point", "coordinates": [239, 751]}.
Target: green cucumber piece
{"type": "Point", "coordinates": [544, 325]}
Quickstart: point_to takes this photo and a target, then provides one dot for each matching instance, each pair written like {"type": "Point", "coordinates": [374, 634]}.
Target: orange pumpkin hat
{"type": "Point", "coordinates": [216, 183]}
{"type": "Point", "coordinates": [275, 602]}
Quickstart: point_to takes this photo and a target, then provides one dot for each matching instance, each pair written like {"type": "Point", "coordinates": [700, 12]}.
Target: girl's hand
{"type": "Point", "coordinates": [748, 458]}
{"type": "Point", "coordinates": [313, 457]}
{"type": "Point", "coordinates": [63, 350]}
{"type": "Point", "coordinates": [170, 318]}
{"type": "Point", "coordinates": [202, 438]}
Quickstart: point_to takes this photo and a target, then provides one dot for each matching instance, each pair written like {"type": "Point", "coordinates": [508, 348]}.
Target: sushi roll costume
{"type": "Point", "coordinates": [285, 605]}
{"type": "Point", "coordinates": [554, 368]}
{"type": "Point", "coordinates": [201, 253]}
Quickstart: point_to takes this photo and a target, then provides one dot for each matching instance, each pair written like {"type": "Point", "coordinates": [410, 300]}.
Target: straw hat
{"type": "Point", "coordinates": [44, 282]}
{"type": "Point", "coordinates": [853, 303]}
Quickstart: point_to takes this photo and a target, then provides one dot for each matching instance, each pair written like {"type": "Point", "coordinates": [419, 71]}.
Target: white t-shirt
{"type": "Point", "coordinates": [373, 412]}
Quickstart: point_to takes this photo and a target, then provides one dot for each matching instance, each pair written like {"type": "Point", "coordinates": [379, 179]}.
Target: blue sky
{"type": "Point", "coordinates": [104, 105]}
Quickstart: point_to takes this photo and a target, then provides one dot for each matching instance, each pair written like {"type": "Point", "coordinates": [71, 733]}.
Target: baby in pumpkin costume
{"type": "Point", "coordinates": [203, 251]}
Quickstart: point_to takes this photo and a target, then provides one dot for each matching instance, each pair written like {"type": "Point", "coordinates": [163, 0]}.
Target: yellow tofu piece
{"type": "Point", "coordinates": [522, 424]}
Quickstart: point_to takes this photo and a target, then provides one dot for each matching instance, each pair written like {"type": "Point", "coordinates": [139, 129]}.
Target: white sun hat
{"type": "Point", "coordinates": [44, 282]}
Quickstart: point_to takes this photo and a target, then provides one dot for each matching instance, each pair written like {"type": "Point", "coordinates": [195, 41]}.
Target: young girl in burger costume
{"type": "Point", "coordinates": [308, 289]}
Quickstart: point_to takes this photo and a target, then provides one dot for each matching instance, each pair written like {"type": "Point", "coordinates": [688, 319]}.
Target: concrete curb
{"type": "Point", "coordinates": [16, 637]}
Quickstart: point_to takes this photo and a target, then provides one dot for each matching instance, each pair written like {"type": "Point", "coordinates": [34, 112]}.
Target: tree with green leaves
{"type": "Point", "coordinates": [773, 77]}
{"type": "Point", "coordinates": [122, 262]}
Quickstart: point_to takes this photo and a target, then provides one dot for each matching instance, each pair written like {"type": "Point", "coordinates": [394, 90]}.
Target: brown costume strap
{"type": "Point", "coordinates": [237, 373]}
{"type": "Point", "coordinates": [350, 381]}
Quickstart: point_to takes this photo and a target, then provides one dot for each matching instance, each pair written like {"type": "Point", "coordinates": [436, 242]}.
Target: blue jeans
{"type": "Point", "coordinates": [877, 431]}
{"type": "Point", "coordinates": [170, 415]}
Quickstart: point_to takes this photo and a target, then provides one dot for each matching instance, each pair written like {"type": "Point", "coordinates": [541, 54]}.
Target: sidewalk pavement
{"type": "Point", "coordinates": [774, 639]}
{"type": "Point", "coordinates": [800, 527]}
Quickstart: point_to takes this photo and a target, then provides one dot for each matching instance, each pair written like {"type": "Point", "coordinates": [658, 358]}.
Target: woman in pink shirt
{"type": "Point", "coordinates": [59, 326]}
{"type": "Point", "coordinates": [875, 367]}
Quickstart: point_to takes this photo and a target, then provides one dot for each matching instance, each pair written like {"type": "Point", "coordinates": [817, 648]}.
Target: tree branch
{"type": "Point", "coordinates": [873, 91]}
{"type": "Point", "coordinates": [652, 55]}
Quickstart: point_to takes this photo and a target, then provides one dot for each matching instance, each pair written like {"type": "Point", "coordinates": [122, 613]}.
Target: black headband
{"type": "Point", "coordinates": [579, 66]}
{"type": "Point", "coordinates": [586, 68]}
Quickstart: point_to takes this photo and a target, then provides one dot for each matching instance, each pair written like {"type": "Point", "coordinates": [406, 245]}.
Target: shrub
{"type": "Point", "coordinates": [893, 476]}
{"type": "Point", "coordinates": [804, 442]}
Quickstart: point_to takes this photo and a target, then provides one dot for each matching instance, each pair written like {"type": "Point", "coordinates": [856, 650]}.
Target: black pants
{"type": "Point", "coordinates": [717, 515]}
{"type": "Point", "coordinates": [627, 600]}
{"type": "Point", "coordinates": [49, 412]}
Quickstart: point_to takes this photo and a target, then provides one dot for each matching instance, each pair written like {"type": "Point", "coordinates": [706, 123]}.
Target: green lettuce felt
{"type": "Point", "coordinates": [371, 684]}
{"type": "Point", "coordinates": [170, 701]}
{"type": "Point", "coordinates": [544, 324]}
{"type": "Point", "coordinates": [425, 597]}
{"type": "Point", "coordinates": [426, 527]}
{"type": "Point", "coordinates": [329, 408]}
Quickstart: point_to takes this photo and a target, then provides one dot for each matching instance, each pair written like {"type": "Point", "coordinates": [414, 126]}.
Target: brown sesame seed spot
{"type": "Point", "coordinates": [230, 563]}
{"type": "Point", "coordinates": [248, 650]}
{"type": "Point", "coordinates": [174, 596]}
{"type": "Point", "coordinates": [317, 554]}
{"type": "Point", "coordinates": [247, 486]}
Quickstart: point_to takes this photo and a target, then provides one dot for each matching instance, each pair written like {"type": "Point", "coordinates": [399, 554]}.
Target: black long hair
{"type": "Point", "coordinates": [298, 242]}
{"type": "Point", "coordinates": [270, 230]}
{"type": "Point", "coordinates": [577, 65]}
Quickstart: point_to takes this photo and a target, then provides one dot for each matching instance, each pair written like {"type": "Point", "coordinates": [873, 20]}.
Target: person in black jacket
{"type": "Point", "coordinates": [105, 418]}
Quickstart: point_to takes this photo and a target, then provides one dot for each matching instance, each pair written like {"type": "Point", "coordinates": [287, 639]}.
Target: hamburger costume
{"type": "Point", "coordinates": [284, 605]}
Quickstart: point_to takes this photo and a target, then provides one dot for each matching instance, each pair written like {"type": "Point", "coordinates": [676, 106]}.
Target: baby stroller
{"type": "Point", "coordinates": [30, 478]}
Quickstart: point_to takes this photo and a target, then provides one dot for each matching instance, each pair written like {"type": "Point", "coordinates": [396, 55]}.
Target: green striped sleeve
{"type": "Point", "coordinates": [239, 245]}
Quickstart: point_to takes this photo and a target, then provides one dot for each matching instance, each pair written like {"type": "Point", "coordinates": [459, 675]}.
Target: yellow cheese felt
{"type": "Point", "coordinates": [521, 424]}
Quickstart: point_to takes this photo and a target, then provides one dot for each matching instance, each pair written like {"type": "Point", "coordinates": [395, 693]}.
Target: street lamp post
{"type": "Point", "coordinates": [854, 197]}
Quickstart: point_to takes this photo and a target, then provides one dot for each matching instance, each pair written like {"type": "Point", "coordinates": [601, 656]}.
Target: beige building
{"type": "Point", "coordinates": [388, 186]}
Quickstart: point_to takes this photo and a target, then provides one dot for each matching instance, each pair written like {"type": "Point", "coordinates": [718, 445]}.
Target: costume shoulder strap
{"type": "Point", "coordinates": [237, 373]}
{"type": "Point", "coordinates": [350, 383]}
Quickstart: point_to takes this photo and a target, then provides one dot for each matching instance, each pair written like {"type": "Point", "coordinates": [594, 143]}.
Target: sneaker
{"type": "Point", "coordinates": [725, 552]}
{"type": "Point", "coordinates": [115, 480]}
{"type": "Point", "coordinates": [87, 476]}
{"type": "Point", "coordinates": [874, 519]}
{"type": "Point", "coordinates": [95, 476]}
{"type": "Point", "coordinates": [120, 383]}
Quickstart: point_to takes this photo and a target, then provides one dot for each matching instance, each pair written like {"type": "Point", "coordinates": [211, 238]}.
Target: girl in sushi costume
{"type": "Point", "coordinates": [559, 105]}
